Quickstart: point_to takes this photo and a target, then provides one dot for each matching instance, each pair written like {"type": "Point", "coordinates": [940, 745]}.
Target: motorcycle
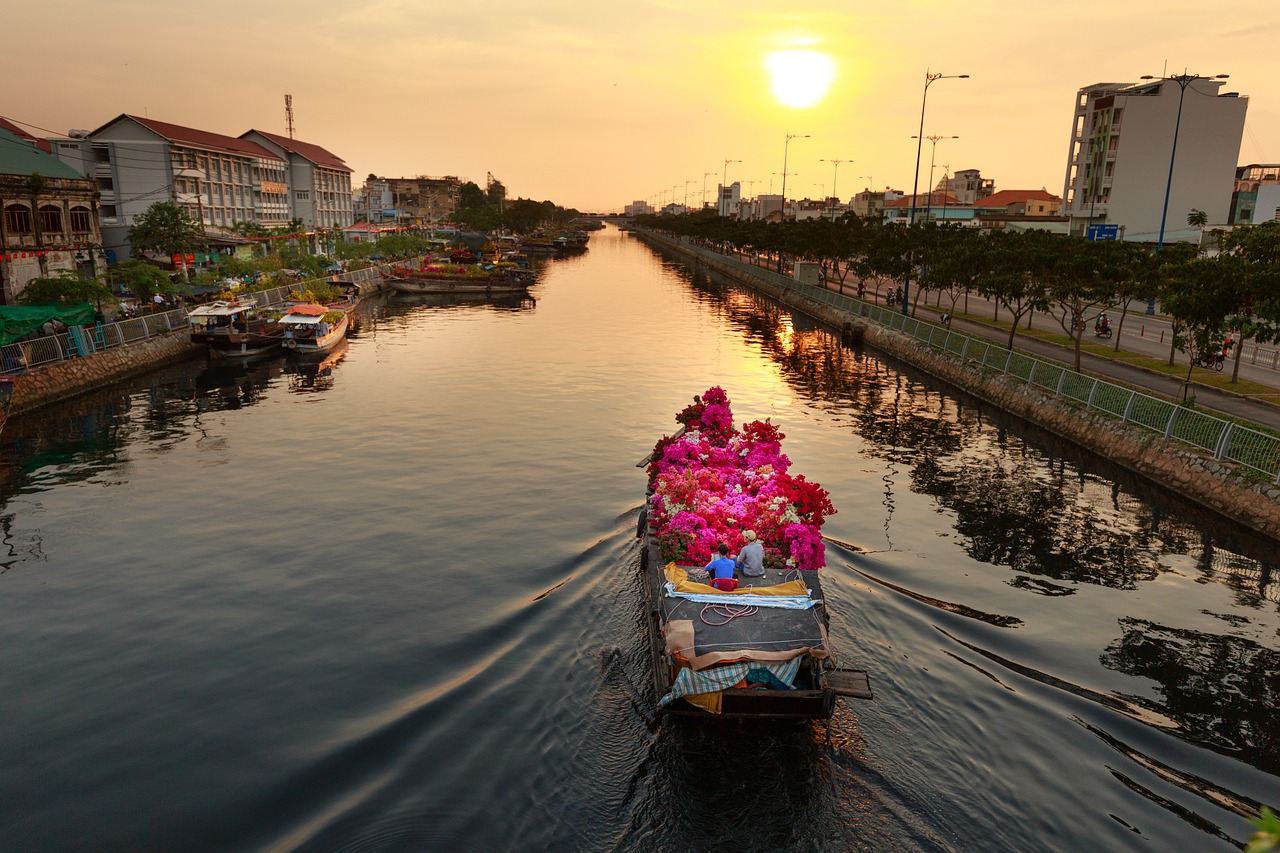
{"type": "Point", "coordinates": [1102, 331]}
{"type": "Point", "coordinates": [1214, 360]}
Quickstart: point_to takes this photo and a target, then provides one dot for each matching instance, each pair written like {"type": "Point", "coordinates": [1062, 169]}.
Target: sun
{"type": "Point", "coordinates": [800, 78]}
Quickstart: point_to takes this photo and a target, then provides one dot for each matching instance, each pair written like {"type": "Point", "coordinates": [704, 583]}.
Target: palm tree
{"type": "Point", "coordinates": [1197, 218]}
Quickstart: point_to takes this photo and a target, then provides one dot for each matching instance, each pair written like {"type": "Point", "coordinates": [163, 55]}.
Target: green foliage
{"type": "Point", "coordinates": [166, 228]}
{"type": "Point", "coordinates": [142, 279]}
{"type": "Point", "coordinates": [66, 289]}
{"type": "Point", "coordinates": [1267, 838]}
{"type": "Point", "coordinates": [471, 197]}
{"type": "Point", "coordinates": [1197, 218]}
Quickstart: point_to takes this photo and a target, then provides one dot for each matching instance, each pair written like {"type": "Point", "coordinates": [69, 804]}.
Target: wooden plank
{"type": "Point", "coordinates": [853, 683]}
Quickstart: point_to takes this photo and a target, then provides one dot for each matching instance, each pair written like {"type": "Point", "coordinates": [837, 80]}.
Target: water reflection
{"type": "Point", "coordinates": [405, 303]}
{"type": "Point", "coordinates": [1223, 691]}
{"type": "Point", "coordinates": [307, 375]}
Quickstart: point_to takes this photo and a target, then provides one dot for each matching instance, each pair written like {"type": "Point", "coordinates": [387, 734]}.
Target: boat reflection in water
{"type": "Point", "coordinates": [314, 374]}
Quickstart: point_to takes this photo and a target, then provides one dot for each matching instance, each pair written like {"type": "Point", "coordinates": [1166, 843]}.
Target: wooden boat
{"type": "Point", "coordinates": [6, 398]}
{"type": "Point", "coordinates": [235, 327]}
{"type": "Point", "coordinates": [314, 329]}
{"type": "Point", "coordinates": [760, 651]}
{"type": "Point", "coordinates": [493, 281]}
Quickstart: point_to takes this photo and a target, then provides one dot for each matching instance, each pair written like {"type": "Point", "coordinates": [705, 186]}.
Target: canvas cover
{"type": "Point", "coordinates": [18, 321]}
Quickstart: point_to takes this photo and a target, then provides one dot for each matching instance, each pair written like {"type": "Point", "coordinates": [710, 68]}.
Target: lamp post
{"type": "Point", "coordinates": [929, 77]}
{"type": "Point", "coordinates": [834, 174]}
{"type": "Point", "coordinates": [933, 153]}
{"type": "Point", "coordinates": [724, 182]}
{"type": "Point", "coordinates": [686, 193]}
{"type": "Point", "coordinates": [1183, 80]}
{"type": "Point", "coordinates": [790, 136]}
{"type": "Point", "coordinates": [704, 187]}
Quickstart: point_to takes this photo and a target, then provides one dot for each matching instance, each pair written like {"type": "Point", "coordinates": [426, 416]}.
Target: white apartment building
{"type": "Point", "coordinates": [218, 180]}
{"type": "Point", "coordinates": [1122, 138]}
{"type": "Point", "coordinates": [729, 197]}
{"type": "Point", "coordinates": [319, 181]}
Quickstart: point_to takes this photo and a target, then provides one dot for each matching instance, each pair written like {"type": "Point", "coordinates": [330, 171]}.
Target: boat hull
{"type": "Point", "coordinates": [320, 344]}
{"type": "Point", "coordinates": [238, 344]}
{"type": "Point", "coordinates": [441, 285]}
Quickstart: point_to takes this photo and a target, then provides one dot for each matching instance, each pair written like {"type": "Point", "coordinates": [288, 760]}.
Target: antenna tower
{"type": "Point", "coordinates": [288, 113]}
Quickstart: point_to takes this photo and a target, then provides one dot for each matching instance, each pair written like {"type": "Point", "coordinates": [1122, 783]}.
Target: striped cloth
{"type": "Point", "coordinates": [723, 677]}
{"type": "Point", "coordinates": [784, 602]}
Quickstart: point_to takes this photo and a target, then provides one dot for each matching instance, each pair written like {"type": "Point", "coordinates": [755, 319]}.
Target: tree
{"type": "Point", "coordinates": [167, 229]}
{"type": "Point", "coordinates": [1015, 280]}
{"type": "Point", "coordinates": [1257, 313]}
{"type": "Point", "coordinates": [1197, 218]}
{"type": "Point", "coordinates": [66, 289]}
{"type": "Point", "coordinates": [471, 197]}
{"type": "Point", "coordinates": [142, 279]}
{"type": "Point", "coordinates": [1080, 276]}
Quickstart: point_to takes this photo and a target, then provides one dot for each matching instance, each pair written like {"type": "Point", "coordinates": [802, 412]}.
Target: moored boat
{"type": "Point", "coordinates": [758, 649]}
{"type": "Point", "coordinates": [235, 327]}
{"type": "Point", "coordinates": [312, 329]}
{"type": "Point", "coordinates": [491, 280]}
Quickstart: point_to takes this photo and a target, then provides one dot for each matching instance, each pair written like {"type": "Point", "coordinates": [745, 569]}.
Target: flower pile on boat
{"type": "Point", "coordinates": [714, 482]}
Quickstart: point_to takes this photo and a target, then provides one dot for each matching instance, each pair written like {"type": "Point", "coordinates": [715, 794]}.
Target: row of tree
{"type": "Point", "coordinates": [1235, 287]}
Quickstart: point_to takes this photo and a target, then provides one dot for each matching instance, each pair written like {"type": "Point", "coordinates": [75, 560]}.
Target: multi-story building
{"type": "Point", "coordinates": [1122, 146]}
{"type": "Point", "coordinates": [967, 185]}
{"type": "Point", "coordinates": [413, 201]}
{"type": "Point", "coordinates": [729, 197]}
{"type": "Point", "coordinates": [319, 181]}
{"type": "Point", "coordinates": [50, 217]}
{"type": "Point", "coordinates": [219, 180]}
{"type": "Point", "coordinates": [638, 207]}
{"type": "Point", "coordinates": [869, 203]}
{"type": "Point", "coordinates": [929, 207]}
{"type": "Point", "coordinates": [1256, 196]}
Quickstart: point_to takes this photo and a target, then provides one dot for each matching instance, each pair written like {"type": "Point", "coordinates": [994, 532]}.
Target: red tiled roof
{"type": "Point", "coordinates": [205, 139]}
{"type": "Point", "coordinates": [43, 144]}
{"type": "Point", "coordinates": [314, 153]}
{"type": "Point", "coordinates": [1004, 198]}
{"type": "Point", "coordinates": [935, 199]}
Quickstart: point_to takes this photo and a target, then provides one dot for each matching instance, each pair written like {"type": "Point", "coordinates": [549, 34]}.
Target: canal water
{"type": "Point", "coordinates": [392, 603]}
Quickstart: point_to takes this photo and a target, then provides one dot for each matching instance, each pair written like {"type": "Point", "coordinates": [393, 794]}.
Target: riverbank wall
{"type": "Point", "coordinates": [1212, 483]}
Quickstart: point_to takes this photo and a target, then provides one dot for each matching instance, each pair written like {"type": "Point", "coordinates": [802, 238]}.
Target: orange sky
{"type": "Point", "coordinates": [595, 104]}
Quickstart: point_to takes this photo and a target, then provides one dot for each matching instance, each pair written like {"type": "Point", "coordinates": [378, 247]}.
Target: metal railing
{"type": "Point", "coordinates": [84, 340]}
{"type": "Point", "coordinates": [1222, 439]}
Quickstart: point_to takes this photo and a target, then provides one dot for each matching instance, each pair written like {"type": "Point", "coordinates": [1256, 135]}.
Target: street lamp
{"type": "Point", "coordinates": [933, 153]}
{"type": "Point", "coordinates": [686, 194]}
{"type": "Point", "coordinates": [724, 182]}
{"type": "Point", "coordinates": [790, 136]}
{"type": "Point", "coordinates": [929, 77]}
{"type": "Point", "coordinates": [1183, 80]}
{"type": "Point", "coordinates": [834, 173]}
{"type": "Point", "coordinates": [704, 187]}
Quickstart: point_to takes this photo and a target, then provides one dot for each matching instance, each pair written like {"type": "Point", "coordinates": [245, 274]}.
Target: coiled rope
{"type": "Point", "coordinates": [726, 613]}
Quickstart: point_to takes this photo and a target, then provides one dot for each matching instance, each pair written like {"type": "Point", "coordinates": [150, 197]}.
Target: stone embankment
{"type": "Point", "coordinates": [1211, 483]}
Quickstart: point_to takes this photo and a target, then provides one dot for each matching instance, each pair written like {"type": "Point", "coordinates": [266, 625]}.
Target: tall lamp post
{"type": "Point", "coordinates": [933, 154]}
{"type": "Point", "coordinates": [704, 187]}
{"type": "Point", "coordinates": [724, 182]}
{"type": "Point", "coordinates": [1183, 80]}
{"type": "Point", "coordinates": [929, 77]}
{"type": "Point", "coordinates": [835, 172]}
{"type": "Point", "coordinates": [686, 194]}
{"type": "Point", "coordinates": [790, 136]}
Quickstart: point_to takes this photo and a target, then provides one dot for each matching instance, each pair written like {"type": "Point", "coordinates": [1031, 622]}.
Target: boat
{"type": "Point", "coordinates": [433, 279]}
{"type": "Point", "coordinates": [313, 329]}
{"type": "Point", "coordinates": [6, 398]}
{"type": "Point", "coordinates": [761, 650]}
{"type": "Point", "coordinates": [235, 327]}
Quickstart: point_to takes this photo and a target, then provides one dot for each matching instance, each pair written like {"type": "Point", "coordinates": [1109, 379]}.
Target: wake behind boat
{"type": "Point", "coordinates": [752, 641]}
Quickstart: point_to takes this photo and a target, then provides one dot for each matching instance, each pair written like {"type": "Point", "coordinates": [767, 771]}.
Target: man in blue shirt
{"type": "Point", "coordinates": [721, 570]}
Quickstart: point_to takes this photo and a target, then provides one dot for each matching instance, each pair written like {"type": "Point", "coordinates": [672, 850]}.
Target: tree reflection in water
{"type": "Point", "coordinates": [1223, 691]}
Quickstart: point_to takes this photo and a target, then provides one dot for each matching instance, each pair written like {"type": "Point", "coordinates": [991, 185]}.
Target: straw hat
{"type": "Point", "coordinates": [749, 535]}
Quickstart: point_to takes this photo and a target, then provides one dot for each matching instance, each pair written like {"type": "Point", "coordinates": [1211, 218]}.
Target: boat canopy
{"type": "Point", "coordinates": [302, 319]}
{"type": "Point", "coordinates": [310, 310]}
{"type": "Point", "coordinates": [220, 309]}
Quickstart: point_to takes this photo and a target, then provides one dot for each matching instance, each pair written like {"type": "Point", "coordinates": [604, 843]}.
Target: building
{"type": "Point", "coordinates": [869, 203]}
{"type": "Point", "coordinates": [219, 180]}
{"type": "Point", "coordinates": [50, 217]}
{"type": "Point", "coordinates": [1121, 146]}
{"type": "Point", "coordinates": [729, 197]}
{"type": "Point", "coordinates": [1256, 195]}
{"type": "Point", "coordinates": [319, 181]}
{"type": "Point", "coordinates": [1019, 203]}
{"type": "Point", "coordinates": [637, 208]}
{"type": "Point", "coordinates": [930, 207]}
{"type": "Point", "coordinates": [412, 201]}
{"type": "Point", "coordinates": [967, 185]}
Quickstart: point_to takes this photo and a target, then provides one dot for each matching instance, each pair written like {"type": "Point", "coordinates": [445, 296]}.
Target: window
{"type": "Point", "coordinates": [81, 220]}
{"type": "Point", "coordinates": [101, 154]}
{"type": "Point", "coordinates": [50, 219]}
{"type": "Point", "coordinates": [106, 185]}
{"type": "Point", "coordinates": [107, 211]}
{"type": "Point", "coordinates": [304, 195]}
{"type": "Point", "coordinates": [17, 219]}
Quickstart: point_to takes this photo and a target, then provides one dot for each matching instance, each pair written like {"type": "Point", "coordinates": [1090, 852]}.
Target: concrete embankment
{"type": "Point", "coordinates": [61, 380]}
{"type": "Point", "coordinates": [1212, 483]}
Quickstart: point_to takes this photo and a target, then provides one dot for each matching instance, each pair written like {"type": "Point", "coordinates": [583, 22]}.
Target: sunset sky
{"type": "Point", "coordinates": [595, 104]}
